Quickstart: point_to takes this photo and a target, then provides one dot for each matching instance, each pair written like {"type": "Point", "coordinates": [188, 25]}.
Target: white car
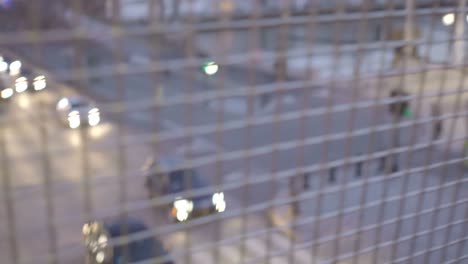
{"type": "Point", "coordinates": [77, 111]}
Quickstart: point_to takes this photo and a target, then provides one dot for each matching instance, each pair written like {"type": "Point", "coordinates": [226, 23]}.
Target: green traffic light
{"type": "Point", "coordinates": [407, 113]}
{"type": "Point", "coordinates": [210, 68]}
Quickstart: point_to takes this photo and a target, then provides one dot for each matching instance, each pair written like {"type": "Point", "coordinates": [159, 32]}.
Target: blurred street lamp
{"type": "Point", "coordinates": [448, 19]}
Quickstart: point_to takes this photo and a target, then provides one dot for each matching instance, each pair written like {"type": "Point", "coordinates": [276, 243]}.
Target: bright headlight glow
{"type": "Point", "coordinates": [74, 119]}
{"type": "Point", "coordinates": [94, 117]}
{"type": "Point", "coordinates": [39, 83]}
{"type": "Point", "coordinates": [63, 103]}
{"type": "Point", "coordinates": [221, 206]}
{"type": "Point", "coordinates": [102, 240]}
{"type": "Point", "coordinates": [86, 229]}
{"type": "Point", "coordinates": [211, 68]}
{"type": "Point", "coordinates": [21, 84]}
{"type": "Point", "coordinates": [15, 67]}
{"type": "Point", "coordinates": [93, 111]}
{"type": "Point", "coordinates": [219, 202]}
{"type": "Point", "coordinates": [3, 66]}
{"type": "Point", "coordinates": [100, 257]}
{"type": "Point", "coordinates": [183, 209]}
{"type": "Point", "coordinates": [217, 197]}
{"type": "Point", "coordinates": [7, 93]}
{"type": "Point", "coordinates": [448, 19]}
{"type": "Point", "coordinates": [182, 215]}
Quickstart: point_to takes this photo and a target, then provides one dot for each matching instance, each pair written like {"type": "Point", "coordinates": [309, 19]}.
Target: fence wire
{"type": "Point", "coordinates": [222, 131]}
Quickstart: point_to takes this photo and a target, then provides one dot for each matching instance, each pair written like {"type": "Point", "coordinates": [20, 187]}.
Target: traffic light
{"type": "Point", "coordinates": [400, 108]}
{"type": "Point", "coordinates": [210, 68]}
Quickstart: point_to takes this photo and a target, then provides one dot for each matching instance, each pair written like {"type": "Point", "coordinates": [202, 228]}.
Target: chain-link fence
{"type": "Point", "coordinates": [201, 131]}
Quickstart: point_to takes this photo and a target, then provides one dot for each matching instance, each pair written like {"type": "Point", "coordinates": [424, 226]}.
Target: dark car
{"type": "Point", "coordinates": [168, 176]}
{"type": "Point", "coordinates": [97, 236]}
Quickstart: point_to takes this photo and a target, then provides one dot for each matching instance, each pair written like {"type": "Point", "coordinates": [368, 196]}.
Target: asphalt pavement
{"type": "Point", "coordinates": [73, 155]}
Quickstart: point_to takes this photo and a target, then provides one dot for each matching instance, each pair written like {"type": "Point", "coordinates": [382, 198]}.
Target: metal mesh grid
{"type": "Point", "coordinates": [293, 126]}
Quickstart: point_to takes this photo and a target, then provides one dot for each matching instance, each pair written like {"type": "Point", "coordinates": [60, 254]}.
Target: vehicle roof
{"type": "Point", "coordinates": [173, 165]}
{"type": "Point", "coordinates": [170, 163]}
{"type": "Point", "coordinates": [180, 179]}
{"type": "Point", "coordinates": [78, 100]}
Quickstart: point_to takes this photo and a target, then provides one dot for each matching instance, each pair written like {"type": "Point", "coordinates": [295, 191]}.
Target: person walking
{"type": "Point", "coordinates": [437, 123]}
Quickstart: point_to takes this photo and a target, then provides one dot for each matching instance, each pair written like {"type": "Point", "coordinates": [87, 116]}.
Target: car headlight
{"type": "Point", "coordinates": [63, 103]}
{"type": "Point", "coordinates": [102, 240]}
{"type": "Point", "coordinates": [100, 256]}
{"type": "Point", "coordinates": [39, 83]}
{"type": "Point", "coordinates": [3, 66]}
{"type": "Point", "coordinates": [74, 119]}
{"type": "Point", "coordinates": [94, 117]}
{"type": "Point", "coordinates": [86, 229]}
{"type": "Point", "coordinates": [218, 201]}
{"type": "Point", "coordinates": [21, 84]}
{"type": "Point", "coordinates": [181, 209]}
{"type": "Point", "coordinates": [15, 67]}
{"type": "Point", "coordinates": [6, 93]}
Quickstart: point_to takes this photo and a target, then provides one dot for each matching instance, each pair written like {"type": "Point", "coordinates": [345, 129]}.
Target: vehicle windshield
{"type": "Point", "coordinates": [181, 180]}
{"type": "Point", "coordinates": [78, 103]}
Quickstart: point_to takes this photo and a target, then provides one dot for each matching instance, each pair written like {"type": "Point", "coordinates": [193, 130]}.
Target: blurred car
{"type": "Point", "coordinates": [97, 236]}
{"type": "Point", "coordinates": [77, 111]}
{"type": "Point", "coordinates": [168, 176]}
{"type": "Point", "coordinates": [28, 81]}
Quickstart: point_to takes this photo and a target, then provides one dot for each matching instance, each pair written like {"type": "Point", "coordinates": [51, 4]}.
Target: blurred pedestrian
{"type": "Point", "coordinates": [397, 54]}
{"type": "Point", "coordinates": [465, 154]}
{"type": "Point", "coordinates": [265, 99]}
{"type": "Point", "coordinates": [305, 180]}
{"type": "Point", "coordinates": [382, 162]}
{"type": "Point", "coordinates": [358, 172]}
{"type": "Point", "coordinates": [437, 123]}
{"type": "Point", "coordinates": [332, 175]}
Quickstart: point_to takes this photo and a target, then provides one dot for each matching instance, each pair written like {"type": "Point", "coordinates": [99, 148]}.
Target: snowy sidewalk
{"type": "Point", "coordinates": [320, 60]}
{"type": "Point", "coordinates": [429, 85]}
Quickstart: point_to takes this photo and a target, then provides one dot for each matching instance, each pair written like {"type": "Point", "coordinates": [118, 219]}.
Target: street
{"type": "Point", "coordinates": [76, 155]}
{"type": "Point", "coordinates": [328, 141]}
